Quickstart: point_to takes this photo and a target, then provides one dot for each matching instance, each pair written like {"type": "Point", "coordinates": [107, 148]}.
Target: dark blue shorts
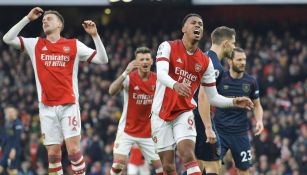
{"type": "Point", "coordinates": [240, 149]}
{"type": "Point", "coordinates": [206, 151]}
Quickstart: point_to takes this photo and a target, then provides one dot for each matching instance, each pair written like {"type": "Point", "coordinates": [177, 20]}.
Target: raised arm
{"type": "Point", "coordinates": [117, 85]}
{"type": "Point", "coordinates": [101, 56]}
{"type": "Point", "coordinates": [11, 38]}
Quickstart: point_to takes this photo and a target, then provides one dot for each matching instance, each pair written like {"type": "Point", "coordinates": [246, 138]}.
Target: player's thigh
{"type": "Point", "coordinates": [50, 125]}
{"type": "Point", "coordinates": [206, 151]}
{"type": "Point", "coordinates": [184, 127]}
{"type": "Point", "coordinates": [148, 149]}
{"type": "Point", "coordinates": [162, 134]}
{"type": "Point", "coordinates": [123, 143]}
{"type": "Point", "coordinates": [241, 151]}
{"type": "Point", "coordinates": [225, 145]}
{"type": "Point", "coordinates": [70, 120]}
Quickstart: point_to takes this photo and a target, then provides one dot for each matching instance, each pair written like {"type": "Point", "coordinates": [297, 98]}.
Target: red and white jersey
{"type": "Point", "coordinates": [56, 68]}
{"type": "Point", "coordinates": [138, 97]}
{"type": "Point", "coordinates": [191, 69]}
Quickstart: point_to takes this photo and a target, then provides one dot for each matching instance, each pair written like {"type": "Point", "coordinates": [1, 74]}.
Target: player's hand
{"type": "Point", "coordinates": [90, 27]}
{"type": "Point", "coordinates": [243, 102]}
{"type": "Point", "coordinates": [210, 134]}
{"type": "Point", "coordinates": [12, 154]}
{"type": "Point", "coordinates": [258, 128]}
{"type": "Point", "coordinates": [35, 13]}
{"type": "Point", "coordinates": [132, 65]}
{"type": "Point", "coordinates": [182, 89]}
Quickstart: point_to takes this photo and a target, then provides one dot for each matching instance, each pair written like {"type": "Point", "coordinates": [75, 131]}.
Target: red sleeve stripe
{"type": "Point", "coordinates": [208, 84]}
{"type": "Point", "coordinates": [162, 59]}
{"type": "Point", "coordinates": [22, 46]}
{"type": "Point", "coordinates": [91, 57]}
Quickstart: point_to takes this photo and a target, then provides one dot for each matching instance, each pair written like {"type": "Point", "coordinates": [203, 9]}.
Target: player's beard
{"type": "Point", "coordinates": [237, 69]}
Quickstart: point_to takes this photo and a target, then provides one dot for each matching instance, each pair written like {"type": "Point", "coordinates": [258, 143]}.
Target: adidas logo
{"type": "Point", "coordinates": [179, 60]}
{"type": "Point", "coordinates": [136, 88]}
{"type": "Point", "coordinates": [44, 48]}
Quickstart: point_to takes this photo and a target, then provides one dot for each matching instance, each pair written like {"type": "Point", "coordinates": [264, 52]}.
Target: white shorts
{"type": "Point", "coordinates": [124, 142]}
{"type": "Point", "coordinates": [167, 134]}
{"type": "Point", "coordinates": [138, 169]}
{"type": "Point", "coordinates": [59, 122]}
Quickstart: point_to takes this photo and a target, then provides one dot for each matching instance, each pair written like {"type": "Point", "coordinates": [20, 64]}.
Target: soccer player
{"type": "Point", "coordinates": [232, 124]}
{"type": "Point", "coordinates": [207, 150]}
{"type": "Point", "coordinates": [138, 84]}
{"type": "Point", "coordinates": [10, 142]}
{"type": "Point", "coordinates": [55, 61]}
{"type": "Point", "coordinates": [181, 68]}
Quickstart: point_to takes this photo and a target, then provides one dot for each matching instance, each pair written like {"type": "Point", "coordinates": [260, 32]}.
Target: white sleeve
{"type": "Point", "coordinates": [126, 82]}
{"type": "Point", "coordinates": [208, 78]}
{"type": "Point", "coordinates": [90, 55]}
{"type": "Point", "coordinates": [162, 60]}
{"type": "Point", "coordinates": [216, 99]}
{"type": "Point", "coordinates": [11, 38]}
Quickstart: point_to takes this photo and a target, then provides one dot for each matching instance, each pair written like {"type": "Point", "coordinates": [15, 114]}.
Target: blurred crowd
{"type": "Point", "coordinates": [278, 59]}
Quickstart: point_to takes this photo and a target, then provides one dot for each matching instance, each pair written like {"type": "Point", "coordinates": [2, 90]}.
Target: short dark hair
{"type": "Point", "coordinates": [188, 16]}
{"type": "Point", "coordinates": [236, 49]}
{"type": "Point", "coordinates": [56, 13]}
{"type": "Point", "coordinates": [142, 50]}
{"type": "Point", "coordinates": [221, 33]}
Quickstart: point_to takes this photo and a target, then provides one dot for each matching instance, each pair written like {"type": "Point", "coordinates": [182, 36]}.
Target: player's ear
{"type": "Point", "coordinates": [183, 29]}
{"type": "Point", "coordinates": [224, 43]}
{"type": "Point", "coordinates": [229, 61]}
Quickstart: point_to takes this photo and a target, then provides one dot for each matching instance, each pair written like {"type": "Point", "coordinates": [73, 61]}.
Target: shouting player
{"type": "Point", "coordinates": [181, 68]}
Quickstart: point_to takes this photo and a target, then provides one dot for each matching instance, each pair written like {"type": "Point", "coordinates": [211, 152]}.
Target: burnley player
{"type": "Point", "coordinates": [207, 150]}
{"type": "Point", "coordinates": [181, 68]}
{"type": "Point", "coordinates": [138, 84]}
{"type": "Point", "coordinates": [55, 61]}
{"type": "Point", "coordinates": [232, 124]}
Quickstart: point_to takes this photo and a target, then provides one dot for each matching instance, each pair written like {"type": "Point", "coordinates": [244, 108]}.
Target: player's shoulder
{"type": "Point", "coordinates": [133, 74]}
{"type": "Point", "coordinates": [153, 73]}
{"type": "Point", "coordinates": [249, 78]}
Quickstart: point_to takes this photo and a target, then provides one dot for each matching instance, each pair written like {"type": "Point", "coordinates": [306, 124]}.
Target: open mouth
{"type": "Point", "coordinates": [197, 32]}
{"type": "Point", "coordinates": [145, 66]}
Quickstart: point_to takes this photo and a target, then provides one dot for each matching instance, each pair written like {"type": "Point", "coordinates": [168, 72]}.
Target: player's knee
{"type": "Point", "coordinates": [54, 150]}
{"type": "Point", "coordinates": [53, 158]}
{"type": "Point", "coordinates": [169, 167]}
{"type": "Point", "coordinates": [187, 156]}
{"type": "Point", "coordinates": [1, 169]}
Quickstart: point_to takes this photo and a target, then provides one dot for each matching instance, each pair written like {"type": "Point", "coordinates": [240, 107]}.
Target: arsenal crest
{"type": "Point", "coordinates": [246, 87]}
{"type": "Point", "coordinates": [66, 49]}
{"type": "Point", "coordinates": [155, 139]}
{"type": "Point", "coordinates": [197, 67]}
